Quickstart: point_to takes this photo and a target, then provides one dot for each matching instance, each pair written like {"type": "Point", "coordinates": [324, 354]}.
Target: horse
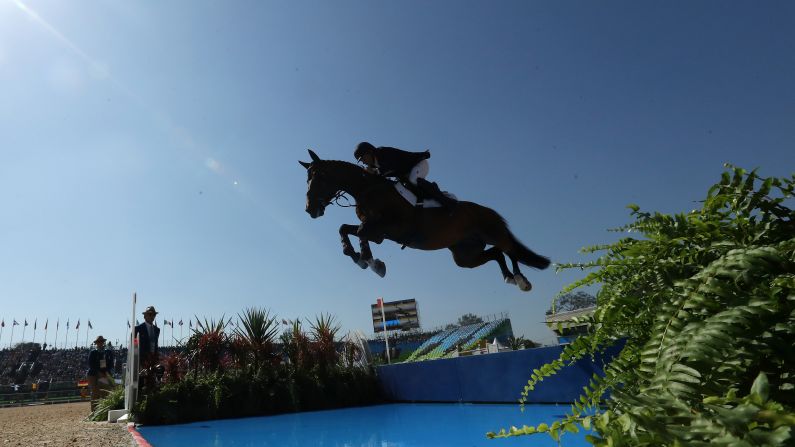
{"type": "Point", "coordinates": [466, 230]}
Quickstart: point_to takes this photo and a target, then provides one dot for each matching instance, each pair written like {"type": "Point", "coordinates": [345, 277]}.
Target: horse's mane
{"type": "Point", "coordinates": [342, 164]}
{"type": "Point", "coordinates": [346, 165]}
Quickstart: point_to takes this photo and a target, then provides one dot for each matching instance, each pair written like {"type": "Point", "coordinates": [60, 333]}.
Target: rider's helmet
{"type": "Point", "coordinates": [361, 149]}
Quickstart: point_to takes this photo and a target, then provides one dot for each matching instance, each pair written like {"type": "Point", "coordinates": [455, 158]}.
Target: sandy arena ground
{"type": "Point", "coordinates": [58, 425]}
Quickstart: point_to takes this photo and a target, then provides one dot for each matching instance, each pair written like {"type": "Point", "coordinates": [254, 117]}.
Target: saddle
{"type": "Point", "coordinates": [412, 199]}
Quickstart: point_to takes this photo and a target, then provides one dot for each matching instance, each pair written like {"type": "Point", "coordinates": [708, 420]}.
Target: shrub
{"type": "Point", "coordinates": [254, 382]}
{"type": "Point", "coordinates": [114, 400]}
{"type": "Point", "coordinates": [706, 304]}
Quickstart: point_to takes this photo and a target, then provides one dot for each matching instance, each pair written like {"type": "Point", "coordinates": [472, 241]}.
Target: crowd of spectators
{"type": "Point", "coordinates": [406, 336]}
{"type": "Point", "coordinates": [28, 364]}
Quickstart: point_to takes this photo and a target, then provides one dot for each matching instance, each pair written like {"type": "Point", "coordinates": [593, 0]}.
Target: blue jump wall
{"type": "Point", "coordinates": [488, 378]}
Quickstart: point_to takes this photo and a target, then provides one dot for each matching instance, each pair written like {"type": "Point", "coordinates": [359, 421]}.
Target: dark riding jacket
{"type": "Point", "coordinates": [94, 365]}
{"type": "Point", "coordinates": [147, 346]}
{"type": "Point", "coordinates": [393, 162]}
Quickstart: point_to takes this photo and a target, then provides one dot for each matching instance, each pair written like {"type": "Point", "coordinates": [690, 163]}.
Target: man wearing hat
{"type": "Point", "coordinates": [148, 334]}
{"type": "Point", "coordinates": [100, 366]}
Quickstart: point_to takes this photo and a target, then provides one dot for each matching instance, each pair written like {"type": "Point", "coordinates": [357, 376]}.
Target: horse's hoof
{"type": "Point", "coordinates": [523, 283]}
{"type": "Point", "coordinates": [362, 263]}
{"type": "Point", "coordinates": [378, 267]}
{"type": "Point", "coordinates": [510, 280]}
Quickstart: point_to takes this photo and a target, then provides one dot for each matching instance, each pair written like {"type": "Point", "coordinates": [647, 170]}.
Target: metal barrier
{"type": "Point", "coordinates": [43, 397]}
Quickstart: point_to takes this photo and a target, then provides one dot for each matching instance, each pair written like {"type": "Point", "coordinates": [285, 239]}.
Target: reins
{"type": "Point", "coordinates": [341, 195]}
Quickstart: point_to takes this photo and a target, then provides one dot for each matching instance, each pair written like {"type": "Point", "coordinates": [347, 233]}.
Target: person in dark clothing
{"type": "Point", "coordinates": [100, 367]}
{"type": "Point", "coordinates": [148, 335]}
{"type": "Point", "coordinates": [408, 167]}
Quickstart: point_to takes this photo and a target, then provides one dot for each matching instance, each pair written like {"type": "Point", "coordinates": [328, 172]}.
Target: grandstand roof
{"type": "Point", "coordinates": [564, 317]}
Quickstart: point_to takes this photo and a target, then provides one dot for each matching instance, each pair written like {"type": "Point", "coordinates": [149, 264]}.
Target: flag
{"type": "Point", "coordinates": [172, 324]}
{"type": "Point", "coordinates": [89, 325]}
{"type": "Point", "coordinates": [46, 323]}
{"type": "Point", "coordinates": [77, 326]}
{"type": "Point", "coordinates": [35, 323]}
{"type": "Point", "coordinates": [380, 302]}
{"type": "Point", "coordinates": [15, 323]}
{"type": "Point", "coordinates": [190, 324]}
{"type": "Point", "coordinates": [67, 323]}
{"type": "Point", "coordinates": [137, 322]}
{"type": "Point", "coordinates": [3, 323]}
{"type": "Point", "coordinates": [180, 322]}
{"type": "Point", "coordinates": [165, 322]}
{"type": "Point", "coordinates": [26, 322]}
{"type": "Point", "coordinates": [57, 324]}
{"type": "Point", "coordinates": [128, 324]}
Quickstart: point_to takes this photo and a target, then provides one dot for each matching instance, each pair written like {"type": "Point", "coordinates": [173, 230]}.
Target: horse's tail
{"type": "Point", "coordinates": [527, 256]}
{"type": "Point", "coordinates": [513, 247]}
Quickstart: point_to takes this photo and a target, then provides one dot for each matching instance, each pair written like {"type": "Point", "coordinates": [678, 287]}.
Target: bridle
{"type": "Point", "coordinates": [341, 195]}
{"type": "Point", "coordinates": [335, 199]}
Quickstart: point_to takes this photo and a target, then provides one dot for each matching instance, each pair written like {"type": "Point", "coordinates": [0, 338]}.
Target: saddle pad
{"type": "Point", "coordinates": [412, 199]}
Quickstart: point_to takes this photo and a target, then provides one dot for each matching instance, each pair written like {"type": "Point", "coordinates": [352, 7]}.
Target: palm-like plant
{"type": "Point", "coordinates": [208, 343]}
{"type": "Point", "coordinates": [323, 330]}
{"type": "Point", "coordinates": [257, 331]}
{"type": "Point", "coordinates": [517, 343]}
{"type": "Point", "coordinates": [296, 346]}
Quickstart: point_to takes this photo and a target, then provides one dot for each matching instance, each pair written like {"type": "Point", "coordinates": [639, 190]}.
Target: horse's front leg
{"type": "Point", "coordinates": [365, 233]}
{"type": "Point", "coordinates": [347, 248]}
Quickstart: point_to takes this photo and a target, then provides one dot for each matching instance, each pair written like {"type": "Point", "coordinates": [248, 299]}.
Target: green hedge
{"type": "Point", "coordinates": [235, 394]}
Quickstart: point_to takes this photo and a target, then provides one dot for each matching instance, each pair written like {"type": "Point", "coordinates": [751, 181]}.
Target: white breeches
{"type": "Point", "coordinates": [420, 170]}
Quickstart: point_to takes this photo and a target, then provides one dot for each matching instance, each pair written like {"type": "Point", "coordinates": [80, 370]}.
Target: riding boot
{"type": "Point", "coordinates": [431, 189]}
{"type": "Point", "coordinates": [418, 193]}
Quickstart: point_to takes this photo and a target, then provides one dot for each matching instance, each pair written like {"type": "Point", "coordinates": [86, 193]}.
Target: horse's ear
{"type": "Point", "coordinates": [305, 164]}
{"type": "Point", "coordinates": [313, 155]}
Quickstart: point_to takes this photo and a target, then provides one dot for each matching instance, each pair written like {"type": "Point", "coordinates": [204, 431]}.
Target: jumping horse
{"type": "Point", "coordinates": [466, 230]}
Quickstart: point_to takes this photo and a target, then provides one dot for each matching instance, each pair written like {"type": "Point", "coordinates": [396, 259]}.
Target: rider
{"type": "Point", "coordinates": [408, 167]}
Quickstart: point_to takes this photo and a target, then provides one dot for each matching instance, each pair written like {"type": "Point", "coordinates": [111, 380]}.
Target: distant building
{"type": "Point", "coordinates": [565, 328]}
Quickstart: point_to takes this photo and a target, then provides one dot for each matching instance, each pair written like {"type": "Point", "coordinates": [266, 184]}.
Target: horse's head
{"type": "Point", "coordinates": [320, 192]}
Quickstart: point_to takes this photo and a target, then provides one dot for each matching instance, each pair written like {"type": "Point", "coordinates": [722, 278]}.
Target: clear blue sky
{"type": "Point", "coordinates": [152, 146]}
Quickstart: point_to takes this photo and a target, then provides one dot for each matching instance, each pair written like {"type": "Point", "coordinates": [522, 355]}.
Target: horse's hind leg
{"type": "Point", "coordinates": [518, 277]}
{"type": "Point", "coordinates": [471, 255]}
{"type": "Point", "coordinates": [347, 248]}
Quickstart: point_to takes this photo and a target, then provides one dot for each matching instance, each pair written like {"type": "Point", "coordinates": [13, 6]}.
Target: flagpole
{"type": "Point", "coordinates": [88, 326]}
{"type": "Point", "coordinates": [35, 322]}
{"type": "Point", "coordinates": [10, 342]}
{"type": "Point", "coordinates": [1, 332]}
{"type": "Point", "coordinates": [46, 323]}
{"type": "Point", "coordinates": [24, 328]}
{"type": "Point", "coordinates": [386, 338]}
{"type": "Point", "coordinates": [57, 326]}
{"type": "Point", "coordinates": [66, 342]}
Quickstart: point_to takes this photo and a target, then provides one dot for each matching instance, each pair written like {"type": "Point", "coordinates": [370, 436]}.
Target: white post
{"type": "Point", "coordinates": [131, 379]}
{"type": "Point", "coordinates": [386, 337]}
